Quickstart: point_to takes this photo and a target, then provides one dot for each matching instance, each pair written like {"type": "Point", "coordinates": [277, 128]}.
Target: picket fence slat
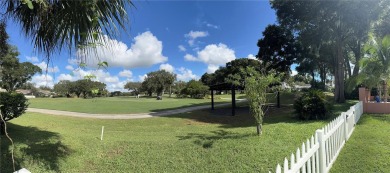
{"type": "Point", "coordinates": [319, 152]}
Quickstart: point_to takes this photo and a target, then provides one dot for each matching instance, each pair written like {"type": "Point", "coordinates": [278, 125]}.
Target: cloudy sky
{"type": "Point", "coordinates": [187, 38]}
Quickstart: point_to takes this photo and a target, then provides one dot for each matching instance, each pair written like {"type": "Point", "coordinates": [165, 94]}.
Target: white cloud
{"type": "Point", "coordinates": [182, 48]}
{"type": "Point", "coordinates": [69, 67]}
{"type": "Point", "coordinates": [47, 68]}
{"type": "Point", "coordinates": [65, 77]}
{"type": "Point", "coordinates": [43, 80]}
{"type": "Point", "coordinates": [167, 67]}
{"type": "Point", "coordinates": [126, 73]}
{"type": "Point", "coordinates": [212, 68]}
{"type": "Point", "coordinates": [185, 74]}
{"type": "Point", "coordinates": [213, 55]}
{"type": "Point", "coordinates": [119, 86]}
{"type": "Point", "coordinates": [189, 57]}
{"type": "Point", "coordinates": [142, 77]}
{"type": "Point", "coordinates": [294, 72]}
{"type": "Point", "coordinates": [251, 56]}
{"type": "Point", "coordinates": [145, 51]}
{"type": "Point", "coordinates": [212, 26]}
{"type": "Point", "coordinates": [32, 58]}
{"type": "Point", "coordinates": [192, 35]}
{"type": "Point", "coordinates": [73, 61]}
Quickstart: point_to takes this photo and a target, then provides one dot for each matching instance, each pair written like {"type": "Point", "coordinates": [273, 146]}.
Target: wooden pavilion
{"type": "Point", "coordinates": [232, 88]}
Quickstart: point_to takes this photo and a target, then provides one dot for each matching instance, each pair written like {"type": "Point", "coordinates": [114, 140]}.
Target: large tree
{"type": "Point", "coordinates": [195, 89]}
{"type": "Point", "coordinates": [54, 24]}
{"type": "Point", "coordinates": [330, 22]}
{"type": "Point", "coordinates": [158, 81]}
{"type": "Point", "coordinates": [13, 73]}
{"type": "Point", "coordinates": [278, 48]}
{"type": "Point", "coordinates": [133, 86]}
{"type": "Point", "coordinates": [231, 72]}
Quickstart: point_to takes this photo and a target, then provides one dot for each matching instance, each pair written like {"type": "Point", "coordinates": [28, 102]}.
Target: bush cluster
{"type": "Point", "coordinates": [312, 105]}
{"type": "Point", "coordinates": [12, 105]}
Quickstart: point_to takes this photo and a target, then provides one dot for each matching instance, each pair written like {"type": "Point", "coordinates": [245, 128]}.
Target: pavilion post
{"type": "Point", "coordinates": [233, 101]}
{"type": "Point", "coordinates": [278, 99]}
{"type": "Point", "coordinates": [212, 99]}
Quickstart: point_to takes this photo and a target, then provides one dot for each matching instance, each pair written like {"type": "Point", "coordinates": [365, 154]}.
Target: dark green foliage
{"type": "Point", "coordinates": [54, 24]}
{"type": "Point", "coordinates": [133, 86]}
{"type": "Point", "coordinates": [195, 89]}
{"type": "Point", "coordinates": [157, 81]}
{"type": "Point", "coordinates": [278, 48]}
{"type": "Point", "coordinates": [83, 86]}
{"type": "Point", "coordinates": [312, 105]}
{"type": "Point", "coordinates": [14, 73]}
{"type": "Point", "coordinates": [232, 73]}
{"type": "Point", "coordinates": [13, 105]}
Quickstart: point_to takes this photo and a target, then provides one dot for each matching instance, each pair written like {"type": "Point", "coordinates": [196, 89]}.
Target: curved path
{"type": "Point", "coordinates": [124, 116]}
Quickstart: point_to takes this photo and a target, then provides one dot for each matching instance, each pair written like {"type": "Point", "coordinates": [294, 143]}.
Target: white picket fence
{"type": "Point", "coordinates": [319, 153]}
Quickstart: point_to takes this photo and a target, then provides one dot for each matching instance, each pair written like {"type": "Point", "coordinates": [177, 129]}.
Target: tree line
{"type": "Point", "coordinates": [342, 40]}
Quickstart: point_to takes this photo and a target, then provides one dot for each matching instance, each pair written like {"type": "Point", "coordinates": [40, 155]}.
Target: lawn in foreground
{"type": "Point", "coordinates": [199, 141]}
{"type": "Point", "coordinates": [368, 149]}
{"type": "Point", "coordinates": [117, 105]}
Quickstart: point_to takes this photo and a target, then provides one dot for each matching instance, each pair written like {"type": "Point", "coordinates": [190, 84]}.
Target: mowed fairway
{"type": "Point", "coordinates": [118, 105]}
{"type": "Point", "coordinates": [199, 141]}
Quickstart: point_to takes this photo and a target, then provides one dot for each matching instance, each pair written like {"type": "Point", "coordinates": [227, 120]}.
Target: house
{"type": "Point", "coordinates": [27, 93]}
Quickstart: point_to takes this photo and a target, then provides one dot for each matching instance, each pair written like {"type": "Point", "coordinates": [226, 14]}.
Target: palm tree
{"type": "Point", "coordinates": [376, 65]}
{"type": "Point", "coordinates": [55, 24]}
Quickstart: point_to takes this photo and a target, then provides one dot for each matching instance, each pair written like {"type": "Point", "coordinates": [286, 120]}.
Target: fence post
{"type": "Point", "coordinates": [321, 150]}
{"type": "Point", "coordinates": [344, 115]}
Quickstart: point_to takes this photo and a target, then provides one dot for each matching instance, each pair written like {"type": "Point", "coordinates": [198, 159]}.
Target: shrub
{"type": "Point", "coordinates": [312, 105]}
{"type": "Point", "coordinates": [13, 105]}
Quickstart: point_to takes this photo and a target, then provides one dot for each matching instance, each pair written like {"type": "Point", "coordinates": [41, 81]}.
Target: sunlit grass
{"type": "Point", "coordinates": [117, 105]}
{"type": "Point", "coordinates": [368, 149]}
{"type": "Point", "coordinates": [199, 141]}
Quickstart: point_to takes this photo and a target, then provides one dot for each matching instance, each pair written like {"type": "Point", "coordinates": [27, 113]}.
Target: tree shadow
{"type": "Point", "coordinates": [223, 116]}
{"type": "Point", "coordinates": [243, 118]}
{"type": "Point", "coordinates": [207, 140]}
{"type": "Point", "coordinates": [41, 147]}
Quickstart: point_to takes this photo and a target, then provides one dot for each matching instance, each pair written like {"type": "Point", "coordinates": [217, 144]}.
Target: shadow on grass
{"type": "Point", "coordinates": [34, 145]}
{"type": "Point", "coordinates": [223, 115]}
{"type": "Point", "coordinates": [207, 140]}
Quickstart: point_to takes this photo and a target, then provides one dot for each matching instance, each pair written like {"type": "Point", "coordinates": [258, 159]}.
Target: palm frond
{"type": "Point", "coordinates": [55, 24]}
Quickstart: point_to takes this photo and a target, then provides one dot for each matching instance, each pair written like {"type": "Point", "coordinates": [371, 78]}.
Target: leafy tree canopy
{"type": "Point", "coordinates": [158, 81]}
{"type": "Point", "coordinates": [13, 73]}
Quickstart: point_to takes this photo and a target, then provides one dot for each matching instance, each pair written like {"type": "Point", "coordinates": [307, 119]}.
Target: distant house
{"type": "Point", "coordinates": [2, 90]}
{"type": "Point", "coordinates": [27, 93]}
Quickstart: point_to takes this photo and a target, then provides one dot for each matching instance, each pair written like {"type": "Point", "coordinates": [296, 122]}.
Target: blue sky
{"type": "Point", "coordinates": [187, 38]}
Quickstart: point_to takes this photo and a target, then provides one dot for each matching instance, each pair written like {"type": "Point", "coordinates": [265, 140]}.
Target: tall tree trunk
{"type": "Point", "coordinates": [339, 73]}
{"type": "Point", "coordinates": [348, 67]}
{"type": "Point", "coordinates": [170, 91]}
{"type": "Point", "coordinates": [259, 129]}
{"type": "Point", "coordinates": [384, 91]}
{"type": "Point", "coordinates": [358, 54]}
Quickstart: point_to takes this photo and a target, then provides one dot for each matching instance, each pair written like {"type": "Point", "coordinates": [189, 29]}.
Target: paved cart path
{"type": "Point", "coordinates": [125, 116]}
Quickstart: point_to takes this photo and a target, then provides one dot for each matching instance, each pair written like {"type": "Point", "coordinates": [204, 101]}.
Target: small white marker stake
{"type": "Point", "coordinates": [101, 136]}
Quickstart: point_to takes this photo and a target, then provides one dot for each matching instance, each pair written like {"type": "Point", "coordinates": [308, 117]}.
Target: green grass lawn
{"type": "Point", "coordinates": [126, 105]}
{"type": "Point", "coordinates": [117, 105]}
{"type": "Point", "coordinates": [199, 141]}
{"type": "Point", "coordinates": [368, 149]}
